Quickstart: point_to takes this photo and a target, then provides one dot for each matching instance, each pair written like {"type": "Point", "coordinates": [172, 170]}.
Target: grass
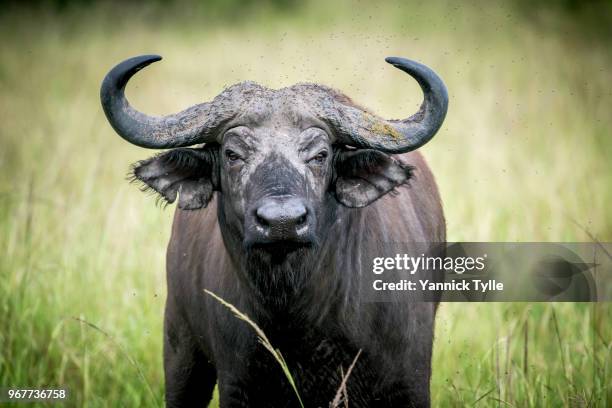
{"type": "Point", "coordinates": [523, 156]}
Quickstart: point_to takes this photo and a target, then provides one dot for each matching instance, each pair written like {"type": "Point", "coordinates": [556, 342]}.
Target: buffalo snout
{"type": "Point", "coordinates": [274, 220]}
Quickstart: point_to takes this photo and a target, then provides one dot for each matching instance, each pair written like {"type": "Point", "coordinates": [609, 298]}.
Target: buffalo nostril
{"type": "Point", "coordinates": [261, 220]}
{"type": "Point", "coordinates": [301, 220]}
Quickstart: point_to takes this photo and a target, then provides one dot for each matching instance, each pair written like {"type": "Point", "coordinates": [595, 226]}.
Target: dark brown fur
{"type": "Point", "coordinates": [319, 332]}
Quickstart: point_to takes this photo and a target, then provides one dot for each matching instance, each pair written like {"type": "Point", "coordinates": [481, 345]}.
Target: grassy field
{"type": "Point", "coordinates": [524, 156]}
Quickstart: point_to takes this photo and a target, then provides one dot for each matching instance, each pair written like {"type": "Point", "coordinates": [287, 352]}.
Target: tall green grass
{"type": "Point", "coordinates": [523, 156]}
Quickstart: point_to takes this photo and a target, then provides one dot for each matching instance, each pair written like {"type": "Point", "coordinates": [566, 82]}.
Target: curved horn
{"type": "Point", "coordinates": [185, 128]}
{"type": "Point", "coordinates": [399, 136]}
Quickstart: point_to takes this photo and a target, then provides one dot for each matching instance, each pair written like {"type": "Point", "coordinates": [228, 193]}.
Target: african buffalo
{"type": "Point", "coordinates": [285, 191]}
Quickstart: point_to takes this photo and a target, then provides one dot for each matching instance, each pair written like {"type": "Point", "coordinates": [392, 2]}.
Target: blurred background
{"type": "Point", "coordinates": [524, 155]}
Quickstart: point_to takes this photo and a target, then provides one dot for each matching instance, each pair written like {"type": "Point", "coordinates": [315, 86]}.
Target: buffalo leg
{"type": "Point", "coordinates": [190, 378]}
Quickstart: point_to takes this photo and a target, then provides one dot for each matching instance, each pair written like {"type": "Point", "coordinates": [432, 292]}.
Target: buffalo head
{"type": "Point", "coordinates": [282, 160]}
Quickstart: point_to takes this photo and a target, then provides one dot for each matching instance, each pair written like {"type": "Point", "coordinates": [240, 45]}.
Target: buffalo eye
{"type": "Point", "coordinates": [319, 158]}
{"type": "Point", "coordinates": [233, 157]}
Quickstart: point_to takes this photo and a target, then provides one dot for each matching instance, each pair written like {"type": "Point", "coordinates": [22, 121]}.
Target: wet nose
{"type": "Point", "coordinates": [282, 218]}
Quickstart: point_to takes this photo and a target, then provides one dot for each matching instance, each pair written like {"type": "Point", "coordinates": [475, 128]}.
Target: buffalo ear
{"type": "Point", "coordinates": [190, 173]}
{"type": "Point", "coordinates": [363, 176]}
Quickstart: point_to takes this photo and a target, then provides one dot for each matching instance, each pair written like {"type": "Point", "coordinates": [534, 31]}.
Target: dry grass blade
{"type": "Point", "coordinates": [345, 393]}
{"type": "Point", "coordinates": [526, 348]}
{"type": "Point", "coordinates": [124, 351]}
{"type": "Point", "coordinates": [592, 237]}
{"type": "Point", "coordinates": [483, 396]}
{"type": "Point", "coordinates": [263, 339]}
{"type": "Point", "coordinates": [560, 343]}
{"type": "Point", "coordinates": [342, 389]}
